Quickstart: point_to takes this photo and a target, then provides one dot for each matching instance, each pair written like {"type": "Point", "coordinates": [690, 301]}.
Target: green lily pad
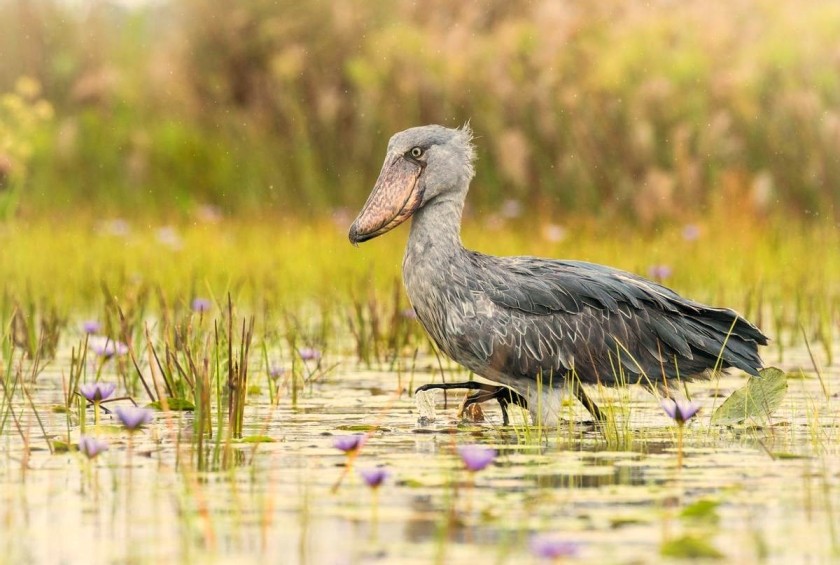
{"type": "Point", "coordinates": [785, 455]}
{"type": "Point", "coordinates": [174, 404]}
{"type": "Point", "coordinates": [360, 428]}
{"type": "Point", "coordinates": [60, 446]}
{"type": "Point", "coordinates": [690, 547]}
{"type": "Point", "coordinates": [704, 510]}
{"type": "Point", "coordinates": [257, 439]}
{"type": "Point", "coordinates": [755, 401]}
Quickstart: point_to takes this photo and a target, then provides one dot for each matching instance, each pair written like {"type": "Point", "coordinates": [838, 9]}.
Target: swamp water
{"type": "Point", "coordinates": [749, 494]}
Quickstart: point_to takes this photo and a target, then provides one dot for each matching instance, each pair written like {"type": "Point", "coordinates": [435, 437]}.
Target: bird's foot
{"type": "Point", "coordinates": [501, 394]}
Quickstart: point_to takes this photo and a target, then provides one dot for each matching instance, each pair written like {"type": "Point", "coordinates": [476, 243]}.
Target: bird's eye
{"type": "Point", "coordinates": [416, 152]}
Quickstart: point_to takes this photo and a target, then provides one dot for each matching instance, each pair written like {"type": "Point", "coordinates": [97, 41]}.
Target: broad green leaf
{"type": "Point", "coordinates": [690, 547]}
{"type": "Point", "coordinates": [258, 439]}
{"type": "Point", "coordinates": [60, 446]}
{"type": "Point", "coordinates": [756, 401]}
{"type": "Point", "coordinates": [361, 428]}
{"type": "Point", "coordinates": [703, 510]}
{"type": "Point", "coordinates": [174, 404]}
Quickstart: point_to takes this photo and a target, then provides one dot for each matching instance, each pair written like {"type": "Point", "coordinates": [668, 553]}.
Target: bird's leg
{"type": "Point", "coordinates": [502, 394]}
{"type": "Point", "coordinates": [590, 406]}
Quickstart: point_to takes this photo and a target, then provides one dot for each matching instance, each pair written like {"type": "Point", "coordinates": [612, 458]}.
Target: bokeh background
{"type": "Point", "coordinates": [634, 112]}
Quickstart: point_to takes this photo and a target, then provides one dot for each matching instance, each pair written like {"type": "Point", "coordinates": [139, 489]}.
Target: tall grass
{"type": "Point", "coordinates": [642, 111]}
{"type": "Point", "coordinates": [56, 271]}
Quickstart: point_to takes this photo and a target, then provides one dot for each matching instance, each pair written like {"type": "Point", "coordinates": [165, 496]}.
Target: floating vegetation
{"type": "Point", "coordinates": [756, 402]}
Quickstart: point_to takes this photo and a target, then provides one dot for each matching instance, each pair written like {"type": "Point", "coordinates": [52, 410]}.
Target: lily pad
{"type": "Point", "coordinates": [756, 401]}
{"type": "Point", "coordinates": [690, 547]}
{"type": "Point", "coordinates": [703, 510]}
{"type": "Point", "coordinates": [361, 428]}
{"type": "Point", "coordinates": [60, 446]}
{"type": "Point", "coordinates": [174, 404]}
{"type": "Point", "coordinates": [258, 439]}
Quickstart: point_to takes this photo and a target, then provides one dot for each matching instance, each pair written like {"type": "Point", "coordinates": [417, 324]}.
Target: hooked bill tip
{"type": "Point", "coordinates": [355, 237]}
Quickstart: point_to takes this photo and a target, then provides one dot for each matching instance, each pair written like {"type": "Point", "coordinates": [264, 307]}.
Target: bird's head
{"type": "Point", "coordinates": [422, 164]}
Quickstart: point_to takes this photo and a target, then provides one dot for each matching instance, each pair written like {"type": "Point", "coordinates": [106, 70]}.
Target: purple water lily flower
{"type": "Point", "coordinates": [375, 476]}
{"type": "Point", "coordinates": [133, 418]}
{"type": "Point", "coordinates": [553, 233]}
{"type": "Point", "coordinates": [309, 353]}
{"type": "Point", "coordinates": [691, 232]}
{"type": "Point", "coordinates": [660, 272]}
{"type": "Point", "coordinates": [476, 457]}
{"type": "Point", "coordinates": [201, 305]}
{"type": "Point", "coordinates": [91, 447]}
{"type": "Point", "coordinates": [552, 547]}
{"type": "Point", "coordinates": [116, 227]}
{"type": "Point", "coordinates": [96, 392]}
{"type": "Point", "coordinates": [409, 314]}
{"type": "Point", "coordinates": [168, 236]}
{"type": "Point", "coordinates": [106, 347]}
{"type": "Point", "coordinates": [276, 372]}
{"type": "Point", "coordinates": [349, 444]}
{"type": "Point", "coordinates": [91, 327]}
{"type": "Point", "coordinates": [681, 411]}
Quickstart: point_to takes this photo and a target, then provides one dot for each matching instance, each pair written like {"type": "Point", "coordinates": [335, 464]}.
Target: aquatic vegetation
{"type": "Point", "coordinates": [134, 418]}
{"type": "Point", "coordinates": [201, 305]}
{"type": "Point", "coordinates": [374, 476]}
{"type": "Point", "coordinates": [309, 354]}
{"type": "Point", "coordinates": [681, 411]}
{"type": "Point", "coordinates": [553, 547]}
{"type": "Point", "coordinates": [660, 272]}
{"type": "Point", "coordinates": [90, 446]}
{"type": "Point", "coordinates": [349, 444]}
{"type": "Point", "coordinates": [690, 547]}
{"type": "Point", "coordinates": [755, 402]}
{"type": "Point", "coordinates": [106, 347]}
{"type": "Point", "coordinates": [476, 457]}
{"type": "Point", "coordinates": [97, 392]}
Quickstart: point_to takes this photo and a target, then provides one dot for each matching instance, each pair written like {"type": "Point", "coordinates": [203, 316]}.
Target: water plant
{"type": "Point", "coordinates": [374, 477]}
{"type": "Point", "coordinates": [553, 547]}
{"type": "Point", "coordinates": [680, 411]}
{"type": "Point", "coordinates": [95, 393]}
{"type": "Point", "coordinates": [476, 457]}
{"type": "Point", "coordinates": [350, 445]}
{"type": "Point", "coordinates": [201, 305]}
{"type": "Point", "coordinates": [91, 447]}
{"type": "Point", "coordinates": [134, 418]}
{"type": "Point", "coordinates": [106, 348]}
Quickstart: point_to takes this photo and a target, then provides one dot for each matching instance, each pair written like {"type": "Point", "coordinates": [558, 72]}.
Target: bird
{"type": "Point", "coordinates": [534, 327]}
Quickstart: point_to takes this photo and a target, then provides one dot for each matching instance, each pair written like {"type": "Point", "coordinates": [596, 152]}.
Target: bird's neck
{"type": "Point", "coordinates": [436, 228]}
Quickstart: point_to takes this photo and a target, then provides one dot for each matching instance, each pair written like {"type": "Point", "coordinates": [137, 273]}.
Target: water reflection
{"type": "Point", "coordinates": [274, 501]}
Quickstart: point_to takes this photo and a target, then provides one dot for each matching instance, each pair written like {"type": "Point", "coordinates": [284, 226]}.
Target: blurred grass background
{"type": "Point", "coordinates": [642, 113]}
{"type": "Point", "coordinates": [170, 149]}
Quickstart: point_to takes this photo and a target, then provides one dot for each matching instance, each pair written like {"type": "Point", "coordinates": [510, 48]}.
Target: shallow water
{"type": "Point", "coordinates": [618, 494]}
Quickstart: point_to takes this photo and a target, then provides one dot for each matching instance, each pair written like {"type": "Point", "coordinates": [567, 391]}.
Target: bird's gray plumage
{"type": "Point", "coordinates": [514, 320]}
